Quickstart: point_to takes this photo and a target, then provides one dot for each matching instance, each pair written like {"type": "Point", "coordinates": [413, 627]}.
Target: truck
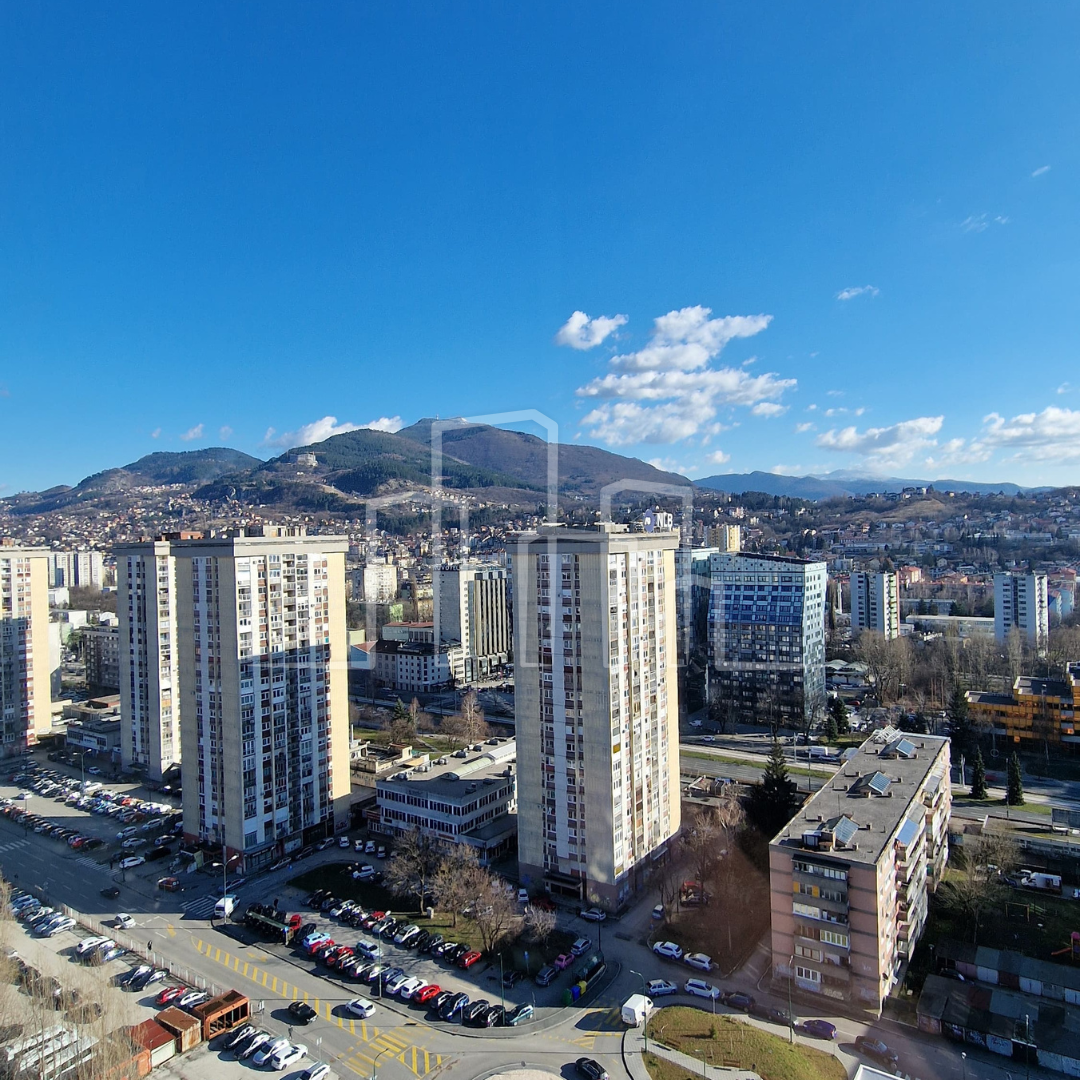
{"type": "Point", "coordinates": [636, 1010]}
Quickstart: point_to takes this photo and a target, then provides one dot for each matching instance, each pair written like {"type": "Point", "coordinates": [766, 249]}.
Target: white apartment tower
{"type": "Point", "coordinates": [875, 602]}
{"type": "Point", "coordinates": [471, 609]}
{"type": "Point", "coordinates": [25, 694]}
{"type": "Point", "coordinates": [597, 708]}
{"type": "Point", "coordinates": [1020, 601]}
{"type": "Point", "coordinates": [264, 694]}
{"type": "Point", "coordinates": [149, 659]}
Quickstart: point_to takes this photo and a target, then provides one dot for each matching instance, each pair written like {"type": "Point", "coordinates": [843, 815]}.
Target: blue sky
{"type": "Point", "coordinates": [252, 224]}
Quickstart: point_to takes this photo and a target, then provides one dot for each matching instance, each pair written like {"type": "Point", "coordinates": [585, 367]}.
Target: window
{"type": "Point", "coordinates": [807, 974]}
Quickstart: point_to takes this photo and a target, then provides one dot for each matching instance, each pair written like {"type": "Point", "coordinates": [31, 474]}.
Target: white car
{"type": "Point", "coordinates": [358, 846]}
{"type": "Point", "coordinates": [89, 943]}
{"type": "Point", "coordinates": [594, 914]}
{"type": "Point", "coordinates": [661, 988]}
{"type": "Point", "coordinates": [131, 862]}
{"type": "Point", "coordinates": [410, 987]}
{"type": "Point", "coordinates": [394, 985]}
{"type": "Point", "coordinates": [259, 1040]}
{"type": "Point", "coordinates": [668, 949]}
{"type": "Point", "coordinates": [289, 1056]}
{"type": "Point", "coordinates": [700, 988]}
{"type": "Point", "coordinates": [406, 934]}
{"type": "Point", "coordinates": [269, 1050]}
{"type": "Point", "coordinates": [123, 921]}
{"type": "Point", "coordinates": [698, 960]}
{"type": "Point", "coordinates": [343, 843]}
{"type": "Point", "coordinates": [65, 923]}
{"type": "Point", "coordinates": [361, 1007]}
{"type": "Point", "coordinates": [319, 1071]}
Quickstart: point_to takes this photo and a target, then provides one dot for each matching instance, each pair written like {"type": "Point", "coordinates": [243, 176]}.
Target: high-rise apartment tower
{"type": "Point", "coordinates": [25, 696]}
{"type": "Point", "coordinates": [471, 610]}
{"type": "Point", "coordinates": [875, 602]}
{"type": "Point", "coordinates": [1020, 601]}
{"type": "Point", "coordinates": [597, 708]}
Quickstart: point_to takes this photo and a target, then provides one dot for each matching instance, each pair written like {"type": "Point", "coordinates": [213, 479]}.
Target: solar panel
{"type": "Point", "coordinates": [845, 830]}
{"type": "Point", "coordinates": [878, 783]}
{"type": "Point", "coordinates": [905, 748]}
{"type": "Point", "coordinates": [908, 831]}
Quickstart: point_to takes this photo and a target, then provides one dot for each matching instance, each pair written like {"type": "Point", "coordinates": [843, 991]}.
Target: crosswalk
{"type": "Point", "coordinates": [14, 845]}
{"type": "Point", "coordinates": [200, 908]}
{"type": "Point", "coordinates": [89, 861]}
{"type": "Point", "coordinates": [371, 1041]}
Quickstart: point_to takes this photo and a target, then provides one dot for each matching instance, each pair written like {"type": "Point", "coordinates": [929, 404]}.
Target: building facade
{"type": "Point", "coordinates": [264, 693]}
{"type": "Point", "coordinates": [148, 657]}
{"type": "Point", "coordinates": [469, 797]}
{"type": "Point", "coordinates": [693, 584]}
{"type": "Point", "coordinates": [597, 708]}
{"type": "Point", "coordinates": [851, 873]}
{"type": "Point", "coordinates": [767, 634]}
{"type": "Point", "coordinates": [1038, 713]}
{"type": "Point", "coordinates": [1020, 601]}
{"type": "Point", "coordinates": [76, 569]}
{"type": "Point", "coordinates": [724, 537]}
{"type": "Point", "coordinates": [25, 699]}
{"type": "Point", "coordinates": [471, 609]}
{"type": "Point", "coordinates": [875, 602]}
{"type": "Point", "coordinates": [101, 654]}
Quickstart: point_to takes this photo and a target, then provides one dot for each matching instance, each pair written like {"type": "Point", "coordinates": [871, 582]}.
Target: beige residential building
{"type": "Point", "coordinates": [149, 658]}
{"type": "Point", "coordinates": [875, 602]}
{"type": "Point", "coordinates": [597, 708]}
{"type": "Point", "coordinates": [851, 873]}
{"type": "Point", "coordinates": [25, 695]}
{"type": "Point", "coordinates": [264, 694]}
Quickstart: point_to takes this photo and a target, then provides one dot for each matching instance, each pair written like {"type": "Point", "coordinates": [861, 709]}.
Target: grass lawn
{"type": "Point", "coordinates": [1042, 809]}
{"type": "Point", "coordinates": [727, 1042]}
{"type": "Point", "coordinates": [661, 1069]}
{"type": "Point", "coordinates": [723, 759]}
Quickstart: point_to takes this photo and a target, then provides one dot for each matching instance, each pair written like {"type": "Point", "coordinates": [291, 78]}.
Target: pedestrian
{"type": "Point", "coordinates": [149, 946]}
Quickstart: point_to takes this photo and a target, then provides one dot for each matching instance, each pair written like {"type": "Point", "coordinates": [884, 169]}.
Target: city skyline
{"type": "Point", "coordinates": [792, 240]}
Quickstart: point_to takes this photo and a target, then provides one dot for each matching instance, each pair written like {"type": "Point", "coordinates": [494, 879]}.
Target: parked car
{"type": "Point", "coordinates": [518, 1015]}
{"type": "Point", "coordinates": [343, 843]}
{"type": "Point", "coordinates": [877, 1050]}
{"type": "Point", "coordinates": [426, 994]}
{"type": "Point", "coordinates": [234, 1038]}
{"type": "Point", "coordinates": [131, 862]}
{"type": "Point", "coordinates": [290, 1055]}
{"type": "Point", "coordinates": [256, 1042]}
{"type": "Point", "coordinates": [545, 975]}
{"type": "Point", "coordinates": [581, 946]}
{"type": "Point", "coordinates": [736, 999]}
{"type": "Point", "coordinates": [700, 988]}
{"type": "Point", "coordinates": [410, 987]}
{"type": "Point", "coordinates": [667, 949]}
{"type": "Point", "coordinates": [319, 1071]}
{"type": "Point", "coordinates": [123, 921]}
{"type": "Point", "coordinates": [767, 1012]}
{"type": "Point", "coordinates": [698, 960]}
{"type": "Point", "coordinates": [661, 988]}
{"type": "Point", "coordinates": [472, 1012]}
{"type": "Point", "coordinates": [594, 914]}
{"type": "Point", "coordinates": [453, 1006]}
{"type": "Point", "coordinates": [469, 959]}
{"type": "Point", "coordinates": [658, 911]}
{"type": "Point", "coordinates": [562, 961]}
{"type": "Point", "coordinates": [269, 1050]}
{"type": "Point", "coordinates": [171, 992]}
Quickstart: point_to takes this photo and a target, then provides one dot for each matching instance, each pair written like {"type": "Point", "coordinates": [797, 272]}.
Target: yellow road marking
{"type": "Point", "coordinates": [246, 966]}
{"type": "Point", "coordinates": [171, 929]}
{"type": "Point", "coordinates": [273, 985]}
{"type": "Point", "coordinates": [352, 1027]}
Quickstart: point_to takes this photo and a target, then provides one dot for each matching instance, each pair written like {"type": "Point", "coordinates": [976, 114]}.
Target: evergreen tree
{"type": "Point", "coordinates": [978, 777]}
{"type": "Point", "coordinates": [1015, 791]}
{"type": "Point", "coordinates": [838, 711]}
{"type": "Point", "coordinates": [831, 732]}
{"type": "Point", "coordinates": [773, 802]}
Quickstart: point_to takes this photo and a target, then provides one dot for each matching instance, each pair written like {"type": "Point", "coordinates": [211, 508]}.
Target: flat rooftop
{"type": "Point", "coordinates": [452, 776]}
{"type": "Point", "coordinates": [862, 809]}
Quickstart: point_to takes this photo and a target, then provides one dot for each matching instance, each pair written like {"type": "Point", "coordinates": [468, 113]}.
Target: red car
{"type": "Point", "coordinates": [170, 993]}
{"type": "Point", "coordinates": [562, 961]}
{"type": "Point", "coordinates": [468, 959]}
{"type": "Point", "coordinates": [426, 993]}
{"type": "Point", "coordinates": [320, 948]}
{"type": "Point", "coordinates": [334, 958]}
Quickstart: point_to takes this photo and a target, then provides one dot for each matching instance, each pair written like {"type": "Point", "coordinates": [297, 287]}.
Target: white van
{"type": "Point", "coordinates": [225, 907]}
{"type": "Point", "coordinates": [636, 1010]}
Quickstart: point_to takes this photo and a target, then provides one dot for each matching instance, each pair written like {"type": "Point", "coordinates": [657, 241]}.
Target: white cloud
{"type": "Point", "coordinates": [1050, 435]}
{"type": "Point", "coordinates": [320, 430]}
{"type": "Point", "coordinates": [193, 433]}
{"type": "Point", "coordinates": [1042, 170]}
{"type": "Point", "coordinates": [981, 222]}
{"type": "Point", "coordinates": [885, 447]}
{"type": "Point", "coordinates": [802, 429]}
{"type": "Point", "coordinates": [224, 432]}
{"type": "Point", "coordinates": [673, 372]}
{"type": "Point", "coordinates": [835, 393]}
{"type": "Point", "coordinates": [768, 409]}
{"type": "Point", "coordinates": [718, 457]}
{"type": "Point", "coordinates": [853, 291]}
{"type": "Point", "coordinates": [841, 410]}
{"type": "Point", "coordinates": [1064, 388]}
{"type": "Point", "coordinates": [670, 465]}
{"type": "Point", "coordinates": [156, 433]}
{"type": "Point", "coordinates": [581, 332]}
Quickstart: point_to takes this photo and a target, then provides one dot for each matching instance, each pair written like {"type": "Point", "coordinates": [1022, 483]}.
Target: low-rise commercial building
{"type": "Point", "coordinates": [469, 797]}
{"type": "Point", "coordinates": [408, 659]}
{"type": "Point", "coordinates": [1038, 712]}
{"type": "Point", "coordinates": [850, 874]}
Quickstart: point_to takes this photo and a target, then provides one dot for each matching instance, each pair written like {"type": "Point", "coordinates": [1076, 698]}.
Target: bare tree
{"type": "Point", "coordinates": [413, 866]}
{"type": "Point", "coordinates": [702, 841]}
{"type": "Point", "coordinates": [475, 727]}
{"type": "Point", "coordinates": [539, 923]}
{"type": "Point", "coordinates": [980, 885]}
{"type": "Point", "coordinates": [459, 879]}
{"type": "Point", "coordinates": [495, 912]}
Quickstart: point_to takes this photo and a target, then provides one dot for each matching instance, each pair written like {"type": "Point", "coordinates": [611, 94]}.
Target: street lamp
{"type": "Point", "coordinates": [963, 1063]}
{"type": "Point", "coordinates": [375, 1063]}
{"type": "Point", "coordinates": [645, 995]}
{"type": "Point", "coordinates": [225, 871]}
